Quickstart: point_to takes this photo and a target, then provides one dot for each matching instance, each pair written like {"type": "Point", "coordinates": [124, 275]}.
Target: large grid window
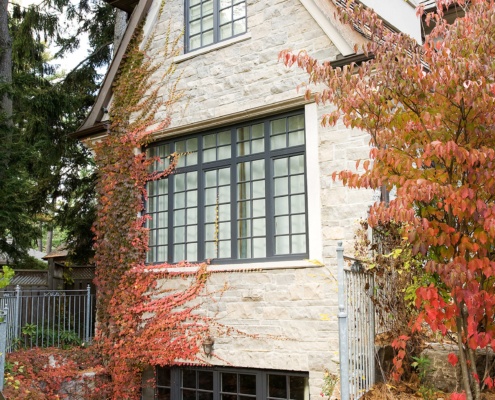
{"type": "Point", "coordinates": [211, 21]}
{"type": "Point", "coordinates": [222, 383]}
{"type": "Point", "coordinates": [238, 193]}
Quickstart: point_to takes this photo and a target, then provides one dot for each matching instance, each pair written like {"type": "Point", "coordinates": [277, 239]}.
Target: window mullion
{"type": "Point", "coordinates": [216, 21]}
{"type": "Point", "coordinates": [201, 201]}
{"type": "Point", "coordinates": [175, 374]}
{"type": "Point", "coordinates": [186, 30]}
{"type": "Point", "coordinates": [233, 195]}
{"type": "Point", "coordinates": [216, 385]}
{"type": "Point", "coordinates": [270, 219]}
{"type": "Point", "coordinates": [261, 386]}
{"type": "Point", "coordinates": [170, 216]}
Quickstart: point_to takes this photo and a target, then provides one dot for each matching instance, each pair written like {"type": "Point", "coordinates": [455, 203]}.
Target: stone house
{"type": "Point", "coordinates": [260, 156]}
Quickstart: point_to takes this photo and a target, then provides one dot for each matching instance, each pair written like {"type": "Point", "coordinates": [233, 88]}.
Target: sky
{"type": "Point", "coordinates": [71, 60]}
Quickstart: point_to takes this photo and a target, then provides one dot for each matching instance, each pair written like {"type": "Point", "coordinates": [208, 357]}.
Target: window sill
{"type": "Point", "coordinates": [256, 266]}
{"type": "Point", "coordinates": [213, 47]}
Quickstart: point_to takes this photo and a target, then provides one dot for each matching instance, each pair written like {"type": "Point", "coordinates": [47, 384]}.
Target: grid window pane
{"type": "Point", "coordinates": [163, 394]}
{"type": "Point", "coordinates": [277, 386]}
{"type": "Point", "coordinates": [195, 12]}
{"type": "Point", "coordinates": [239, 11]}
{"type": "Point", "coordinates": [225, 31]}
{"type": "Point", "coordinates": [225, 16]}
{"type": "Point", "coordinates": [239, 26]}
{"type": "Point", "coordinates": [229, 383]}
{"type": "Point", "coordinates": [188, 395]}
{"type": "Point", "coordinates": [207, 38]}
{"type": "Point", "coordinates": [208, 23]}
{"type": "Point", "coordinates": [223, 205]}
{"type": "Point", "coordinates": [189, 379]}
{"type": "Point", "coordinates": [211, 21]}
{"type": "Point", "coordinates": [194, 42]}
{"type": "Point", "coordinates": [195, 27]}
{"type": "Point", "coordinates": [259, 248]}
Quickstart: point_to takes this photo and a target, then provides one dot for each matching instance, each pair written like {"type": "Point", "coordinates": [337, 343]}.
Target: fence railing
{"type": "Point", "coordinates": [356, 328]}
{"type": "Point", "coordinates": [46, 318]}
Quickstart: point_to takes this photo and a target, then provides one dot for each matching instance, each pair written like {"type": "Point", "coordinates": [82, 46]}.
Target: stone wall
{"type": "Point", "coordinates": [246, 74]}
{"type": "Point", "coordinates": [292, 308]}
{"type": "Point", "coordinates": [441, 374]}
{"type": "Point", "coordinates": [286, 319]}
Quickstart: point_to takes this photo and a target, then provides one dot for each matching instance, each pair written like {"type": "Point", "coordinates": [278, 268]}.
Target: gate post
{"type": "Point", "coordinates": [17, 311]}
{"type": "Point", "coordinates": [343, 331]}
{"type": "Point", "coordinates": [87, 319]}
{"type": "Point", "coordinates": [3, 344]}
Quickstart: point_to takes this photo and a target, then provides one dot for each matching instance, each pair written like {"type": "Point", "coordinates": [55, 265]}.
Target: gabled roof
{"type": "Point", "coordinates": [323, 12]}
{"type": "Point", "coordinates": [125, 5]}
{"type": "Point", "coordinates": [94, 123]}
{"type": "Point", "coordinates": [29, 277]}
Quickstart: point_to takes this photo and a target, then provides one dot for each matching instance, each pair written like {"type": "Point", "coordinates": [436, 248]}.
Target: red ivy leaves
{"type": "Point", "coordinates": [139, 322]}
{"type": "Point", "coordinates": [56, 374]}
{"type": "Point", "coordinates": [399, 345]}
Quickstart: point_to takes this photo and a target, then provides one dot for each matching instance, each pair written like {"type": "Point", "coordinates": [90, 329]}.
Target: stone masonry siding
{"type": "Point", "coordinates": [247, 74]}
{"type": "Point", "coordinates": [296, 305]}
{"type": "Point", "coordinates": [285, 320]}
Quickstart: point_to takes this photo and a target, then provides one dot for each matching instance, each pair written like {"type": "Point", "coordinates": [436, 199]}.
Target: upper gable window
{"type": "Point", "coordinates": [211, 21]}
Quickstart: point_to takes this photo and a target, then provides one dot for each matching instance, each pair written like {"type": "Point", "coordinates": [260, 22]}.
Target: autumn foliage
{"type": "Point", "coordinates": [42, 374]}
{"type": "Point", "coordinates": [430, 112]}
{"type": "Point", "coordinates": [140, 320]}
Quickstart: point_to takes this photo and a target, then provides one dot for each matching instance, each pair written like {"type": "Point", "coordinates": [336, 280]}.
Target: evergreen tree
{"type": "Point", "coordinates": [44, 174]}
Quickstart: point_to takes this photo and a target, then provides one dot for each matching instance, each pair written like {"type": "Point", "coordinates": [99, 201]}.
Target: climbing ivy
{"type": "Point", "coordinates": [140, 320]}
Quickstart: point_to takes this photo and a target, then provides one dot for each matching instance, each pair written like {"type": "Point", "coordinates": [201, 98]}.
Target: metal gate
{"type": "Point", "coordinates": [356, 327]}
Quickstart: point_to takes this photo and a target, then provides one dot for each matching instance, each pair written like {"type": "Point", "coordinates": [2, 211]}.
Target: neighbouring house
{"type": "Point", "coordinates": [32, 277]}
{"type": "Point", "coordinates": [58, 274]}
{"type": "Point", "coordinates": [66, 275]}
{"type": "Point", "coordinates": [258, 155]}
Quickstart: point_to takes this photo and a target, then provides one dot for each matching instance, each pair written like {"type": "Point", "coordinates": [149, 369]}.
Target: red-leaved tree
{"type": "Point", "coordinates": [430, 112]}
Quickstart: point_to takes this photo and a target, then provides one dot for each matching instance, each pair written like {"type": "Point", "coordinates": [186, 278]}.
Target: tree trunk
{"type": "Point", "coordinates": [5, 77]}
{"type": "Point", "coordinates": [463, 361]}
{"type": "Point", "coordinates": [120, 25]}
{"type": "Point", "coordinates": [49, 240]}
{"type": "Point", "coordinates": [5, 56]}
{"type": "Point", "coordinates": [472, 366]}
{"type": "Point", "coordinates": [475, 385]}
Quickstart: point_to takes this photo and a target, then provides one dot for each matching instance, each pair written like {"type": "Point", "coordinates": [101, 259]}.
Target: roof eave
{"type": "Point", "coordinates": [354, 58]}
{"type": "Point", "coordinates": [97, 112]}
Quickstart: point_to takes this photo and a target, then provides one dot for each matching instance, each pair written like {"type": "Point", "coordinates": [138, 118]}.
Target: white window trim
{"type": "Point", "coordinates": [213, 47]}
{"type": "Point", "coordinates": [254, 266]}
{"type": "Point", "coordinates": [313, 182]}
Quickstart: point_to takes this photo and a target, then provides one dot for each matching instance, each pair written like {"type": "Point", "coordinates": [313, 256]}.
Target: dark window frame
{"type": "Point", "coordinates": [268, 156]}
{"type": "Point", "coordinates": [175, 382]}
{"type": "Point", "coordinates": [216, 24]}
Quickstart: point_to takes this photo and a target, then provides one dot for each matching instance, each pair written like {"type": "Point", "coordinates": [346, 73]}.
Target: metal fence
{"type": "Point", "coordinates": [356, 328]}
{"type": "Point", "coordinates": [46, 318]}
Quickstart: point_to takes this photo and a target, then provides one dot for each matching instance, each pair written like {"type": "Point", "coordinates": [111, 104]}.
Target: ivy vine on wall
{"type": "Point", "coordinates": [139, 321]}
